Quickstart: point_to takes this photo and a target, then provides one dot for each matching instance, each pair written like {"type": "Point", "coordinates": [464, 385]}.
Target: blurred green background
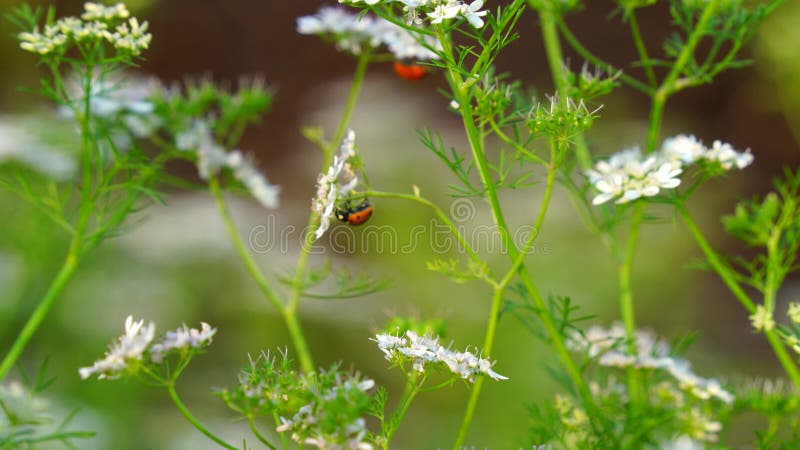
{"type": "Point", "coordinates": [176, 264]}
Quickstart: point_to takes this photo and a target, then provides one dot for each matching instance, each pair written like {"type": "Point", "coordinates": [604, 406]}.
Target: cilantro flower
{"type": "Point", "coordinates": [630, 174]}
{"type": "Point", "coordinates": [128, 348]}
{"type": "Point", "coordinates": [335, 184]}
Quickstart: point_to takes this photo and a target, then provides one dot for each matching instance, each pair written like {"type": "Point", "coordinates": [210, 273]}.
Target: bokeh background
{"type": "Point", "coordinates": [176, 264]}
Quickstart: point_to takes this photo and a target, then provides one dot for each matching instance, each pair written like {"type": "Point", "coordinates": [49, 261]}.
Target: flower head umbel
{"type": "Point", "coordinates": [182, 339]}
{"type": "Point", "coordinates": [762, 319]}
{"type": "Point", "coordinates": [132, 348]}
{"type": "Point", "coordinates": [335, 185]}
{"type": "Point", "coordinates": [436, 11]}
{"type": "Point", "coordinates": [129, 348]}
{"type": "Point", "coordinates": [422, 351]}
{"type": "Point", "coordinates": [355, 33]}
{"type": "Point", "coordinates": [630, 174]}
{"type": "Point", "coordinates": [608, 348]}
{"type": "Point", "coordinates": [98, 24]}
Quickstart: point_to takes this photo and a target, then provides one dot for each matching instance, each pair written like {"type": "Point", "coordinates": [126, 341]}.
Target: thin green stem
{"type": "Point", "coordinates": [576, 45]}
{"type": "Point", "coordinates": [475, 137]}
{"type": "Point", "coordinates": [548, 20]}
{"type": "Point", "coordinates": [411, 390]}
{"type": "Point", "coordinates": [641, 48]}
{"type": "Point", "coordinates": [626, 300]}
{"type": "Point", "coordinates": [186, 413]}
{"type": "Point", "coordinates": [252, 422]}
{"type": "Point", "coordinates": [290, 311]}
{"type": "Point", "coordinates": [292, 324]}
{"type": "Point", "coordinates": [656, 118]}
{"type": "Point", "coordinates": [488, 343]}
{"type": "Point", "coordinates": [240, 246]}
{"type": "Point", "coordinates": [53, 292]}
{"type": "Point", "coordinates": [726, 273]}
{"type": "Point", "coordinates": [439, 213]}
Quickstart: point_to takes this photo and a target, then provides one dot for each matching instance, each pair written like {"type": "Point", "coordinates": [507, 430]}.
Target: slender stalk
{"type": "Point", "coordinates": [76, 246]}
{"type": "Point", "coordinates": [239, 245]}
{"type": "Point", "coordinates": [641, 48]}
{"type": "Point", "coordinates": [411, 390]}
{"type": "Point", "coordinates": [555, 58]}
{"type": "Point", "coordinates": [725, 272]}
{"type": "Point", "coordinates": [624, 272]}
{"type": "Point", "coordinates": [186, 413]}
{"type": "Point", "coordinates": [53, 292]}
{"type": "Point", "coordinates": [576, 45]}
{"type": "Point", "coordinates": [251, 421]}
{"type": "Point", "coordinates": [474, 395]}
{"type": "Point", "coordinates": [439, 213]}
{"type": "Point", "coordinates": [290, 311]}
{"type": "Point", "coordinates": [292, 324]}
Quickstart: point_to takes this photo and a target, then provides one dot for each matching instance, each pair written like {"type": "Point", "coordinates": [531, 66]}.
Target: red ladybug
{"type": "Point", "coordinates": [355, 216]}
{"type": "Point", "coordinates": [412, 72]}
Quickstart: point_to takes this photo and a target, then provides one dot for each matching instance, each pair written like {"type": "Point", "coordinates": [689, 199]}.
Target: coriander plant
{"type": "Point", "coordinates": [620, 385]}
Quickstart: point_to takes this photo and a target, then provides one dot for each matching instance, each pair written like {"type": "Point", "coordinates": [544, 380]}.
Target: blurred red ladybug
{"type": "Point", "coordinates": [357, 215]}
{"type": "Point", "coordinates": [411, 72]}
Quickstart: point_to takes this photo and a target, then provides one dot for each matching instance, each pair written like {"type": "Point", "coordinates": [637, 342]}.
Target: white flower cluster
{"type": "Point", "coordinates": [98, 23]}
{"type": "Point", "coordinates": [128, 347]}
{"type": "Point", "coordinates": [630, 174]}
{"type": "Point", "coordinates": [182, 338]}
{"type": "Point", "coordinates": [762, 319]}
{"type": "Point", "coordinates": [437, 11]}
{"type": "Point", "coordinates": [423, 350]}
{"type": "Point", "coordinates": [304, 425]}
{"type": "Point", "coordinates": [335, 184]}
{"type": "Point", "coordinates": [607, 346]}
{"type": "Point", "coordinates": [352, 33]}
{"type": "Point", "coordinates": [131, 347]}
{"type": "Point", "coordinates": [211, 157]}
{"type": "Point", "coordinates": [22, 405]}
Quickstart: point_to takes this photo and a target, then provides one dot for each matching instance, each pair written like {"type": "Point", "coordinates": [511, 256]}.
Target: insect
{"type": "Point", "coordinates": [357, 215]}
{"type": "Point", "coordinates": [411, 72]}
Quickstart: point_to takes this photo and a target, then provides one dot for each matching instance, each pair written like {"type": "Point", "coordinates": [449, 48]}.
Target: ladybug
{"type": "Point", "coordinates": [412, 72]}
{"type": "Point", "coordinates": [357, 215]}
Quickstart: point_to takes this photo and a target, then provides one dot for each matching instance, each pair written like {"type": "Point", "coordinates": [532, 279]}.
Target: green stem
{"type": "Point", "coordinates": [656, 118]}
{"type": "Point", "coordinates": [292, 324]}
{"type": "Point", "coordinates": [439, 213]}
{"type": "Point", "coordinates": [488, 343]}
{"type": "Point", "coordinates": [576, 45]}
{"type": "Point", "coordinates": [56, 287]}
{"type": "Point", "coordinates": [240, 246]}
{"type": "Point", "coordinates": [186, 413]}
{"type": "Point", "coordinates": [626, 301]}
{"type": "Point", "coordinates": [290, 311]}
{"type": "Point", "coordinates": [411, 390]}
{"type": "Point", "coordinates": [258, 435]}
{"type": "Point", "coordinates": [641, 48]}
{"type": "Point", "coordinates": [725, 272]}
{"type": "Point", "coordinates": [474, 135]}
{"type": "Point", "coordinates": [548, 20]}
{"type": "Point", "coordinates": [624, 271]}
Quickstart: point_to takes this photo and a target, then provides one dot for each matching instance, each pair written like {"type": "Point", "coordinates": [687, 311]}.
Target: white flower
{"type": "Point", "coordinates": [424, 350]}
{"type": "Point", "coordinates": [685, 148]}
{"type": "Point", "coordinates": [352, 32]}
{"type": "Point", "coordinates": [129, 347]}
{"type": "Point", "coordinates": [630, 175]}
{"type": "Point", "coordinates": [182, 338]}
{"type": "Point", "coordinates": [762, 319]}
{"type": "Point", "coordinates": [794, 312]}
{"type": "Point", "coordinates": [98, 11]}
{"type": "Point", "coordinates": [681, 443]}
{"type": "Point", "coordinates": [473, 14]}
{"type": "Point", "coordinates": [335, 184]}
{"type": "Point", "coordinates": [444, 11]}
